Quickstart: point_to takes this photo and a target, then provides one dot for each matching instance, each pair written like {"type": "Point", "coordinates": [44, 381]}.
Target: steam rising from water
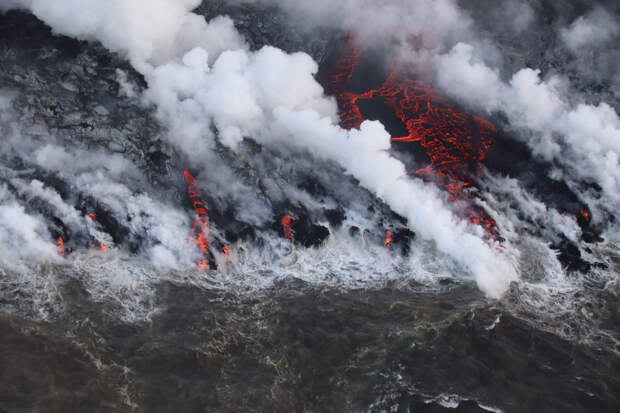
{"type": "Point", "coordinates": [207, 87]}
{"type": "Point", "coordinates": [557, 123]}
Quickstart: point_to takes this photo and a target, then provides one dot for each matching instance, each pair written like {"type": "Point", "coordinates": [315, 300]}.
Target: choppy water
{"type": "Point", "coordinates": [109, 336]}
{"type": "Point", "coordinates": [298, 347]}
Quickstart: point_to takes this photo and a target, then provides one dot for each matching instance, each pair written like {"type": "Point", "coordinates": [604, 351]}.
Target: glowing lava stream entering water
{"type": "Point", "coordinates": [286, 228]}
{"type": "Point", "coordinates": [388, 239]}
{"type": "Point", "coordinates": [201, 226]}
{"type": "Point", "coordinates": [61, 247]}
{"type": "Point", "coordinates": [102, 246]}
{"type": "Point", "coordinates": [455, 142]}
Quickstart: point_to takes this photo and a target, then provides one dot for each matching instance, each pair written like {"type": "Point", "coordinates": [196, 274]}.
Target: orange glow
{"type": "Point", "coordinates": [388, 239]}
{"type": "Point", "coordinates": [226, 252]}
{"type": "Point", "coordinates": [201, 227]}
{"type": "Point", "coordinates": [456, 142]}
{"type": "Point", "coordinates": [585, 215]}
{"type": "Point", "coordinates": [342, 72]}
{"type": "Point", "coordinates": [286, 227]}
{"type": "Point", "coordinates": [61, 247]}
{"type": "Point", "coordinates": [102, 246]}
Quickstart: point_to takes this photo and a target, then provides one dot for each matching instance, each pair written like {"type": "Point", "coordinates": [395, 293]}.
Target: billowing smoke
{"type": "Point", "coordinates": [147, 32]}
{"type": "Point", "coordinates": [591, 30]}
{"type": "Point", "coordinates": [559, 127]}
{"type": "Point", "coordinates": [374, 19]}
{"type": "Point", "coordinates": [208, 86]}
{"type": "Point", "coordinates": [93, 173]}
{"type": "Point", "coordinates": [203, 79]}
{"type": "Point", "coordinates": [549, 108]}
{"type": "Point", "coordinates": [23, 236]}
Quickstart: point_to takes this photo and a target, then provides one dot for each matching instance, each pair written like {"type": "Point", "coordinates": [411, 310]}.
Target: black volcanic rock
{"type": "Point", "coordinates": [308, 234]}
{"type": "Point", "coordinates": [304, 231]}
{"type": "Point", "coordinates": [402, 237]}
{"type": "Point", "coordinates": [312, 186]}
{"type": "Point", "coordinates": [570, 256]}
{"type": "Point", "coordinates": [354, 231]}
{"type": "Point", "coordinates": [335, 216]}
{"type": "Point", "coordinates": [266, 24]}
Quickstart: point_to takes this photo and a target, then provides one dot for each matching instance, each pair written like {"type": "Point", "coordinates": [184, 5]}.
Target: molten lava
{"type": "Point", "coordinates": [455, 142]}
{"type": "Point", "coordinates": [388, 239]}
{"type": "Point", "coordinates": [201, 222]}
{"type": "Point", "coordinates": [102, 246]}
{"type": "Point", "coordinates": [585, 215]}
{"type": "Point", "coordinates": [61, 247]}
{"type": "Point", "coordinates": [226, 252]}
{"type": "Point", "coordinates": [286, 227]}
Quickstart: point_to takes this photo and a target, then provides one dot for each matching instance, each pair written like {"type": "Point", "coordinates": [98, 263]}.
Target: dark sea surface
{"type": "Point", "coordinates": [300, 348]}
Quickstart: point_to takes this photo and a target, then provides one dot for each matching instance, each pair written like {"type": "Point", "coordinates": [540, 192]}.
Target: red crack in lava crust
{"type": "Point", "coordinates": [102, 246]}
{"type": "Point", "coordinates": [456, 142]}
{"type": "Point", "coordinates": [388, 239]}
{"type": "Point", "coordinates": [286, 228]}
{"type": "Point", "coordinates": [60, 246]}
{"type": "Point", "coordinates": [201, 222]}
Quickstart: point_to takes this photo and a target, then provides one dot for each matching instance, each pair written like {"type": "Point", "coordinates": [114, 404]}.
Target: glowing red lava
{"type": "Point", "coordinates": [61, 247]}
{"type": "Point", "coordinates": [102, 246]}
{"type": "Point", "coordinates": [455, 142]}
{"type": "Point", "coordinates": [585, 215]}
{"type": "Point", "coordinates": [388, 239]}
{"type": "Point", "coordinates": [201, 222]}
{"type": "Point", "coordinates": [226, 252]}
{"type": "Point", "coordinates": [286, 227]}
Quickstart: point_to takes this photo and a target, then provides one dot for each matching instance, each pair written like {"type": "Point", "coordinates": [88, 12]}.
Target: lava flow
{"type": "Point", "coordinates": [102, 246]}
{"type": "Point", "coordinates": [61, 247]}
{"type": "Point", "coordinates": [286, 228]}
{"type": "Point", "coordinates": [455, 142]}
{"type": "Point", "coordinates": [388, 239]}
{"type": "Point", "coordinates": [201, 222]}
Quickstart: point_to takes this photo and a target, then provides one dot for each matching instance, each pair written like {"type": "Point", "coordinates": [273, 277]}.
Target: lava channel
{"type": "Point", "coordinates": [286, 228]}
{"type": "Point", "coordinates": [201, 226]}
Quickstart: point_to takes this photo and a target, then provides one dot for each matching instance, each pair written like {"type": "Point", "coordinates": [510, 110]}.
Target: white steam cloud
{"type": "Point", "coordinates": [557, 124]}
{"type": "Point", "coordinates": [23, 236]}
{"type": "Point", "coordinates": [109, 178]}
{"type": "Point", "coordinates": [558, 129]}
{"type": "Point", "coordinates": [593, 29]}
{"type": "Point", "coordinates": [148, 32]}
{"type": "Point", "coordinates": [371, 19]}
{"type": "Point", "coordinates": [203, 79]}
